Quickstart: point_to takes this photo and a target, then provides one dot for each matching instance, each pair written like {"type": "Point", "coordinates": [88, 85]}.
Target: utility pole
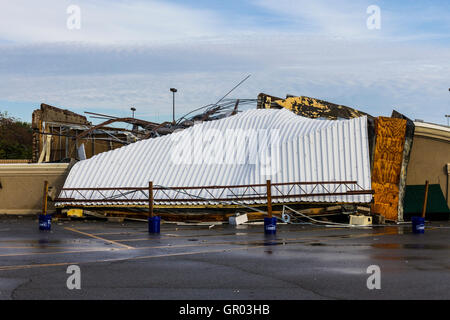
{"type": "Point", "coordinates": [173, 107]}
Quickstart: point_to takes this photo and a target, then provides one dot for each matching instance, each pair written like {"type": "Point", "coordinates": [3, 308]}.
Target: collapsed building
{"type": "Point", "coordinates": [404, 154]}
{"type": "Point", "coordinates": [60, 135]}
{"type": "Point", "coordinates": [308, 160]}
{"type": "Point", "coordinates": [325, 155]}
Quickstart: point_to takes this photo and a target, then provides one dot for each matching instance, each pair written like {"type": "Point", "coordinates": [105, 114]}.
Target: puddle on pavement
{"type": "Point", "coordinates": [277, 242]}
{"type": "Point", "coordinates": [410, 246]}
{"type": "Point", "coordinates": [401, 258]}
{"type": "Point", "coordinates": [385, 245]}
{"type": "Point", "coordinates": [201, 235]}
{"type": "Point", "coordinates": [47, 243]}
{"type": "Point", "coordinates": [33, 241]}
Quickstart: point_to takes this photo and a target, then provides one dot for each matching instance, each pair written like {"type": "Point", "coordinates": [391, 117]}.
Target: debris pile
{"type": "Point", "coordinates": [58, 134]}
{"type": "Point", "coordinates": [322, 144]}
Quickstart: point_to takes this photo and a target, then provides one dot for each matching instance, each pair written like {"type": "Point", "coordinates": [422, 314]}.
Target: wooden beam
{"type": "Point", "coordinates": [150, 199]}
{"type": "Point", "coordinates": [49, 148]}
{"type": "Point", "coordinates": [138, 122]}
{"type": "Point", "coordinates": [269, 199]}
{"type": "Point", "coordinates": [44, 202]}
{"type": "Point", "coordinates": [425, 200]}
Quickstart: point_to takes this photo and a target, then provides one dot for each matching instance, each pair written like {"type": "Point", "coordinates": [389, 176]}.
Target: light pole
{"type": "Point", "coordinates": [135, 128]}
{"type": "Point", "coordinates": [173, 107]}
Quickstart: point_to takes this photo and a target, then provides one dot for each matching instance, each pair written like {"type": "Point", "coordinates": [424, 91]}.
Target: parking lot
{"type": "Point", "coordinates": [123, 261]}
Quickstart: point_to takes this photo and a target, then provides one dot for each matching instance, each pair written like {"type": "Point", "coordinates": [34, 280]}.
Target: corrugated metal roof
{"type": "Point", "coordinates": [300, 149]}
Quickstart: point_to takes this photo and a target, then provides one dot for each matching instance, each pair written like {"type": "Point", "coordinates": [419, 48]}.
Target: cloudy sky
{"type": "Point", "coordinates": [129, 53]}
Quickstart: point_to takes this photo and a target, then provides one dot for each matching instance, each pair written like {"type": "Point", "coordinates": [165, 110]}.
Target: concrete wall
{"type": "Point", "coordinates": [22, 185]}
{"type": "Point", "coordinates": [430, 158]}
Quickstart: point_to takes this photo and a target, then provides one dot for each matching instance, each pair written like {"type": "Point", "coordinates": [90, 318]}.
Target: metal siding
{"type": "Point", "coordinates": [309, 150]}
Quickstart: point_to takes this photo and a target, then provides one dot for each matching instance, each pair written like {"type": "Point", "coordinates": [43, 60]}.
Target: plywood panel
{"type": "Point", "coordinates": [390, 135]}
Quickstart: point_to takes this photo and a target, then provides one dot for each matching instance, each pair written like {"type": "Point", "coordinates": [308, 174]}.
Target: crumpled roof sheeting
{"type": "Point", "coordinates": [307, 150]}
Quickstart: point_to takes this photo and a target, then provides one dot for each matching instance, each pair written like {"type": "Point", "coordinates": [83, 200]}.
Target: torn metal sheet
{"type": "Point", "coordinates": [230, 151]}
{"type": "Point", "coordinates": [309, 107]}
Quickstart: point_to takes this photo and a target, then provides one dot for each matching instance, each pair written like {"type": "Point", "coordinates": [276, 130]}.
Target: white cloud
{"type": "Point", "coordinates": [363, 74]}
{"type": "Point", "coordinates": [400, 20]}
{"type": "Point", "coordinates": [334, 18]}
{"type": "Point", "coordinates": [104, 21]}
{"type": "Point", "coordinates": [131, 53]}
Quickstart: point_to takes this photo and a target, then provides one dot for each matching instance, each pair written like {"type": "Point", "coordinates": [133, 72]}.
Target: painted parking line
{"type": "Point", "coordinates": [119, 233]}
{"type": "Point", "coordinates": [249, 231]}
{"type": "Point", "coordinates": [146, 231]}
{"type": "Point", "coordinates": [29, 266]}
{"type": "Point", "coordinates": [98, 238]}
{"type": "Point", "coordinates": [59, 252]}
{"type": "Point", "coordinates": [285, 241]}
{"type": "Point", "coordinates": [53, 248]}
{"type": "Point", "coordinates": [244, 233]}
{"type": "Point", "coordinates": [169, 246]}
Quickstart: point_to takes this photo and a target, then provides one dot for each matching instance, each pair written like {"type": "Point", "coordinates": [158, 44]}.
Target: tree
{"type": "Point", "coordinates": [15, 138]}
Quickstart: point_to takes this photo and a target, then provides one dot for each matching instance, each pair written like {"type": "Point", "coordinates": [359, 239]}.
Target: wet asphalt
{"type": "Point", "coordinates": [123, 261]}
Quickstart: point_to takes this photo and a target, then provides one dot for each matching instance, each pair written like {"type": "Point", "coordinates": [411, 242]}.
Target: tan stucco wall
{"type": "Point", "coordinates": [428, 161]}
{"type": "Point", "coordinates": [22, 186]}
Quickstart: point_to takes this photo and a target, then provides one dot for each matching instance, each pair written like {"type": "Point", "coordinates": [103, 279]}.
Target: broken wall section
{"type": "Point", "coordinates": [55, 131]}
{"type": "Point", "coordinates": [387, 166]}
{"type": "Point", "coordinates": [22, 185]}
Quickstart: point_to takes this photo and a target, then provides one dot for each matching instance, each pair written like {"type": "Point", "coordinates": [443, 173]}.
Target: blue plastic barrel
{"type": "Point", "coordinates": [154, 224]}
{"type": "Point", "coordinates": [418, 224]}
{"type": "Point", "coordinates": [45, 222]}
{"type": "Point", "coordinates": [270, 225]}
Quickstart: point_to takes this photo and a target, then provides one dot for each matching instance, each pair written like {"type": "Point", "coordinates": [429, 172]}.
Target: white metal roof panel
{"type": "Point", "coordinates": [300, 150]}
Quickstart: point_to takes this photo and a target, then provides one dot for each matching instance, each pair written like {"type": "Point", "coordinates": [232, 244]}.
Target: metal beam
{"type": "Point", "coordinates": [141, 123]}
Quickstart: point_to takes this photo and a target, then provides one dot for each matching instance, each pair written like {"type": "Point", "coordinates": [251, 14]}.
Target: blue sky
{"type": "Point", "coordinates": [129, 53]}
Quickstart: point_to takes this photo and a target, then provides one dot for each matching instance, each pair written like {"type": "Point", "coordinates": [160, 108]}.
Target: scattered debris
{"type": "Point", "coordinates": [378, 219]}
{"type": "Point", "coordinates": [62, 136]}
{"type": "Point", "coordinates": [116, 219]}
{"type": "Point", "coordinates": [360, 220]}
{"type": "Point", "coordinates": [309, 107]}
{"type": "Point", "coordinates": [292, 216]}
{"type": "Point", "coordinates": [75, 213]}
{"type": "Point", "coordinates": [238, 219]}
